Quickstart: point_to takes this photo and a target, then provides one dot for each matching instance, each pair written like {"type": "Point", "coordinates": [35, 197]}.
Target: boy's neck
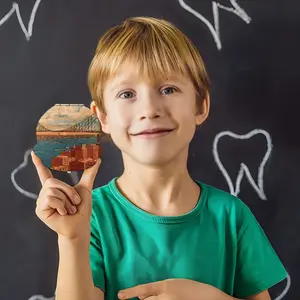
{"type": "Point", "coordinates": [165, 190]}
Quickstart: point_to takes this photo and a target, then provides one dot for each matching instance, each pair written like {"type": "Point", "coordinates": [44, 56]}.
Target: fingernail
{"type": "Point", "coordinates": [73, 209]}
{"type": "Point", "coordinates": [77, 199]}
{"type": "Point", "coordinates": [121, 295]}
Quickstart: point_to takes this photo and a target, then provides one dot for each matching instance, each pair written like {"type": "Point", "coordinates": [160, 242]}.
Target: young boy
{"type": "Point", "coordinates": [153, 232]}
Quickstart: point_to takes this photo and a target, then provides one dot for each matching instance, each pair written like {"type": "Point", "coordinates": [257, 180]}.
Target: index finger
{"type": "Point", "coordinates": [43, 172]}
{"type": "Point", "coordinates": [142, 290]}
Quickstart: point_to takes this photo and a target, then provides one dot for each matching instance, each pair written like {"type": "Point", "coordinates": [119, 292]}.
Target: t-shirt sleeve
{"type": "Point", "coordinates": [258, 267]}
{"type": "Point", "coordinates": [96, 255]}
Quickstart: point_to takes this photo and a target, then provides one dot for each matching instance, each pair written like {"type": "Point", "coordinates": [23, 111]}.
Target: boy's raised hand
{"type": "Point", "coordinates": [63, 208]}
{"type": "Point", "coordinates": [174, 289]}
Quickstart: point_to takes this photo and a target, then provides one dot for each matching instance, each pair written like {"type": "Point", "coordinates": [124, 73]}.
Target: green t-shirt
{"type": "Point", "coordinates": [219, 242]}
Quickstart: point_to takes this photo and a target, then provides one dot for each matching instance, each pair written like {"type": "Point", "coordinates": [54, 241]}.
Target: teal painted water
{"type": "Point", "coordinates": [48, 149]}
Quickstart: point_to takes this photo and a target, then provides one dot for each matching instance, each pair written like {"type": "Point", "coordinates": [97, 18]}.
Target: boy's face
{"type": "Point", "coordinates": [150, 122]}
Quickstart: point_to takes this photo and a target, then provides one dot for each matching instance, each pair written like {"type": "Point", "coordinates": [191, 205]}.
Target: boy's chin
{"type": "Point", "coordinates": [155, 160]}
{"type": "Point", "coordinates": [154, 156]}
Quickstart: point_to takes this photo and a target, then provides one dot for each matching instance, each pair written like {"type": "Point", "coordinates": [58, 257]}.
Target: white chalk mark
{"type": "Point", "coordinates": [40, 297]}
{"type": "Point", "coordinates": [259, 187]}
{"type": "Point", "coordinates": [215, 30]}
{"type": "Point", "coordinates": [285, 291]}
{"type": "Point", "coordinates": [15, 8]}
{"type": "Point", "coordinates": [16, 170]}
{"type": "Point", "coordinates": [74, 176]}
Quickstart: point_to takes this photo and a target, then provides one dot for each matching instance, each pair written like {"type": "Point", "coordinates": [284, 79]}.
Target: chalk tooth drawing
{"type": "Point", "coordinates": [244, 170]}
{"type": "Point", "coordinates": [259, 187]}
{"type": "Point", "coordinates": [215, 29]}
{"type": "Point", "coordinates": [16, 9]}
{"type": "Point", "coordinates": [74, 177]}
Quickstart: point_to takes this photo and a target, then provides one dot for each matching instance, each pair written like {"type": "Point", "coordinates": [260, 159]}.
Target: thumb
{"type": "Point", "coordinates": [89, 175]}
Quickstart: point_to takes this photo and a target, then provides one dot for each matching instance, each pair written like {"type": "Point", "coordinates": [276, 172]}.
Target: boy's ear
{"type": "Point", "coordinates": [101, 116]}
{"type": "Point", "coordinates": [202, 113]}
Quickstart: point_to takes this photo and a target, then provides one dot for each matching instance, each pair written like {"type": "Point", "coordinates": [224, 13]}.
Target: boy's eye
{"type": "Point", "coordinates": [168, 90]}
{"type": "Point", "coordinates": [127, 95]}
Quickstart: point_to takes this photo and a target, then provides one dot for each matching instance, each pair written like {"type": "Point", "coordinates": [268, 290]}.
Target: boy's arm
{"type": "Point", "coordinates": [100, 295]}
{"type": "Point", "coordinates": [261, 296]}
{"type": "Point", "coordinates": [74, 280]}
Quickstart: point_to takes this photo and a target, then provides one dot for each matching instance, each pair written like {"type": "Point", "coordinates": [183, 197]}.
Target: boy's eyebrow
{"type": "Point", "coordinates": [169, 78]}
{"type": "Point", "coordinates": [176, 78]}
{"type": "Point", "coordinates": [123, 82]}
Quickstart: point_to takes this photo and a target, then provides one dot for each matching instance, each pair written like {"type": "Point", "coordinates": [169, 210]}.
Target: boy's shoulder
{"type": "Point", "coordinates": [220, 198]}
{"type": "Point", "coordinates": [222, 205]}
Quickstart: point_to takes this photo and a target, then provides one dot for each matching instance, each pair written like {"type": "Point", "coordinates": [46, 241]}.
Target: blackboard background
{"type": "Point", "coordinates": [254, 86]}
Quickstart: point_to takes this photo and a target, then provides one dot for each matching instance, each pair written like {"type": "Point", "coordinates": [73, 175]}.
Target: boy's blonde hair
{"type": "Point", "coordinates": [155, 46]}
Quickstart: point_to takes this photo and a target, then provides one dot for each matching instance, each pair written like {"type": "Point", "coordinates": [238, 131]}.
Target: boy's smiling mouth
{"type": "Point", "coordinates": [153, 132]}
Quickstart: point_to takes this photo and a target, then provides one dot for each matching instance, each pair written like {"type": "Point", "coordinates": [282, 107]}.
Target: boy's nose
{"type": "Point", "coordinates": [150, 114]}
{"type": "Point", "coordinates": [151, 107]}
